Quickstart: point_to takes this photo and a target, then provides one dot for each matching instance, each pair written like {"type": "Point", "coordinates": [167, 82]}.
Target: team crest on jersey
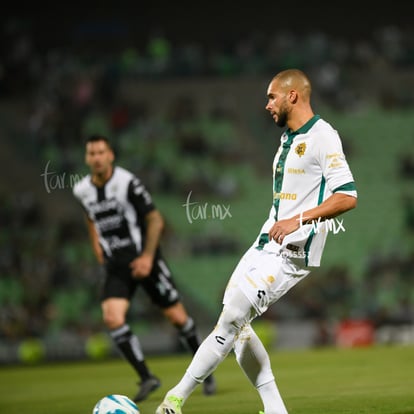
{"type": "Point", "coordinates": [300, 149]}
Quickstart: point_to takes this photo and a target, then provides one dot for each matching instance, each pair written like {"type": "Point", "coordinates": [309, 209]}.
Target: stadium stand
{"type": "Point", "coordinates": [193, 124]}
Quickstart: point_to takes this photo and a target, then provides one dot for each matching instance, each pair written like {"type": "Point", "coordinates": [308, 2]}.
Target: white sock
{"type": "Point", "coordinates": [254, 360]}
{"type": "Point", "coordinates": [272, 401]}
{"type": "Point", "coordinates": [209, 355]}
{"type": "Point", "coordinates": [214, 349]}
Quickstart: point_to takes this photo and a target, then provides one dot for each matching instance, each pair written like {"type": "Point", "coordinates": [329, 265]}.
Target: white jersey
{"type": "Point", "coordinates": [309, 166]}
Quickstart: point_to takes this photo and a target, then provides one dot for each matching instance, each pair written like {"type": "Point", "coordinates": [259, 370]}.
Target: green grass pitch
{"type": "Point", "coordinates": [375, 380]}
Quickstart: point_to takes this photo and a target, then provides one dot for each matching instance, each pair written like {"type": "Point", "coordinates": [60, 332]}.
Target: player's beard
{"type": "Point", "coordinates": [101, 172]}
{"type": "Point", "coordinates": [282, 117]}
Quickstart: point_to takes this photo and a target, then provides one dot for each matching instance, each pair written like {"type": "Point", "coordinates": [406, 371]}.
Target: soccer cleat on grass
{"type": "Point", "coordinates": [209, 386]}
{"type": "Point", "coordinates": [146, 387]}
{"type": "Point", "coordinates": [170, 405]}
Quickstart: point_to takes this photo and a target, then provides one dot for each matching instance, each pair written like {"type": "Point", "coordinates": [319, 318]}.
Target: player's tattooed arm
{"type": "Point", "coordinates": [142, 265]}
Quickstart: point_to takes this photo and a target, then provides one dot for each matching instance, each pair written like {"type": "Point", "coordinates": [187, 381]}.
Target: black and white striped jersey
{"type": "Point", "coordinates": [118, 210]}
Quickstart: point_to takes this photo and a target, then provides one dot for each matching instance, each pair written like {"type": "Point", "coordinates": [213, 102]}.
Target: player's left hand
{"type": "Point", "coordinates": [141, 266]}
{"type": "Point", "coordinates": [282, 228]}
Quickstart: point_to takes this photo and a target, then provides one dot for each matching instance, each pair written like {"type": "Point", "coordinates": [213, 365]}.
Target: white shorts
{"type": "Point", "coordinates": [264, 277]}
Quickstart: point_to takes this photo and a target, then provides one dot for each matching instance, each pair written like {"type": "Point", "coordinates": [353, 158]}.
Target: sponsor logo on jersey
{"type": "Point", "coordinates": [334, 155]}
{"type": "Point", "coordinates": [335, 158]}
{"type": "Point", "coordinates": [284, 196]}
{"type": "Point", "coordinates": [296, 171]}
{"type": "Point", "coordinates": [292, 247]}
{"type": "Point", "coordinates": [103, 206]}
{"type": "Point", "coordinates": [116, 242]}
{"type": "Point", "coordinates": [335, 164]}
{"type": "Point", "coordinates": [110, 222]}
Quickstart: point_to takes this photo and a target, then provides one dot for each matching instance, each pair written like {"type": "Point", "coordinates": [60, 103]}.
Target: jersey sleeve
{"type": "Point", "coordinates": [335, 168]}
{"type": "Point", "coordinates": [140, 197]}
{"type": "Point", "coordinates": [76, 192]}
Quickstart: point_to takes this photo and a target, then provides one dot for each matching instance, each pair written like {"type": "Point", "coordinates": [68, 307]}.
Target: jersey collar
{"type": "Point", "coordinates": [304, 128]}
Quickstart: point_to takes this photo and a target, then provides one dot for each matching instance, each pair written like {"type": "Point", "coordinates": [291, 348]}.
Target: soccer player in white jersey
{"type": "Point", "coordinates": [125, 229]}
{"type": "Point", "coordinates": [312, 184]}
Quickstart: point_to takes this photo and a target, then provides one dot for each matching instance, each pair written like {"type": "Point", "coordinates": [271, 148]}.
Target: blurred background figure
{"type": "Point", "coordinates": [125, 230]}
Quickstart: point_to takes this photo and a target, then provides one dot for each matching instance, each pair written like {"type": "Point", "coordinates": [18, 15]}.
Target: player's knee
{"type": "Point", "coordinates": [113, 321]}
{"type": "Point", "coordinates": [176, 314]}
{"type": "Point", "coordinates": [233, 318]}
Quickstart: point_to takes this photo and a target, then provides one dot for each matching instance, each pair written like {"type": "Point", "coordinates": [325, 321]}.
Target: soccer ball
{"type": "Point", "coordinates": [115, 404]}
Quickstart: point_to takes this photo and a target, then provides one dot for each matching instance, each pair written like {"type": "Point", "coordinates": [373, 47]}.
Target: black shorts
{"type": "Point", "coordinates": [159, 285]}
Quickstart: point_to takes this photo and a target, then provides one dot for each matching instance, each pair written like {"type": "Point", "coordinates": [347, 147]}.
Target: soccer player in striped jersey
{"type": "Point", "coordinates": [125, 230]}
{"type": "Point", "coordinates": [312, 185]}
